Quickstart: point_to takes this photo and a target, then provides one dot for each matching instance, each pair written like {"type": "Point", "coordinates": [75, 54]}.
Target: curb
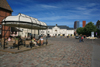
{"type": "Point", "coordinates": [19, 51]}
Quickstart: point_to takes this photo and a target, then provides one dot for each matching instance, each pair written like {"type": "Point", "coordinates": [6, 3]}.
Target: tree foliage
{"type": "Point", "coordinates": [90, 27]}
{"type": "Point", "coordinates": [80, 30]}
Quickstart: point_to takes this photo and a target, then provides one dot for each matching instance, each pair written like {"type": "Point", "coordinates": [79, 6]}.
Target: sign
{"type": "Point", "coordinates": [92, 34]}
{"type": "Point", "coordinates": [96, 33]}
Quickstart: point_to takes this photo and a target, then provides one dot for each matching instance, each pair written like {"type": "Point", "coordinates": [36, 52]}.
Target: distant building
{"type": "Point", "coordinates": [76, 24]}
{"type": "Point", "coordinates": [84, 23]}
{"type": "Point", "coordinates": [98, 24]}
{"type": "Point", "coordinates": [27, 32]}
{"type": "Point", "coordinates": [61, 30]}
{"type": "Point", "coordinates": [5, 10]}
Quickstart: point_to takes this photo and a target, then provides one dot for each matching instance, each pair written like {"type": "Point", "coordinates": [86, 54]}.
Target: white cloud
{"type": "Point", "coordinates": [64, 17]}
{"type": "Point", "coordinates": [81, 8]}
{"type": "Point", "coordinates": [47, 6]}
{"type": "Point", "coordinates": [68, 23]}
{"type": "Point", "coordinates": [50, 18]}
{"type": "Point", "coordinates": [70, 11]}
{"type": "Point", "coordinates": [91, 4]}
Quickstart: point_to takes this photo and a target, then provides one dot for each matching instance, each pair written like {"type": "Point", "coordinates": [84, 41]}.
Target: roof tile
{"type": "Point", "coordinates": [4, 4]}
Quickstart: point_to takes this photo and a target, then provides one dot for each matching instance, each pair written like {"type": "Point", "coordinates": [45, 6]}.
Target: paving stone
{"type": "Point", "coordinates": [65, 52]}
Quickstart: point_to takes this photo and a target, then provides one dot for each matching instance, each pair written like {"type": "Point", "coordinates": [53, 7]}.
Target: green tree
{"type": "Point", "coordinates": [90, 27]}
{"type": "Point", "coordinates": [80, 30]}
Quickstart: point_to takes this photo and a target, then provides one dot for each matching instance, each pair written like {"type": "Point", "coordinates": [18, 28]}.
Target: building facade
{"type": "Point", "coordinates": [98, 24]}
{"type": "Point", "coordinates": [76, 24]}
{"type": "Point", "coordinates": [57, 31]}
{"type": "Point", "coordinates": [5, 10]}
{"type": "Point", "coordinates": [27, 32]}
{"type": "Point", "coordinates": [84, 23]}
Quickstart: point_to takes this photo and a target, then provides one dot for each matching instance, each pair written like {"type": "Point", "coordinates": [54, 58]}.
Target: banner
{"type": "Point", "coordinates": [92, 34]}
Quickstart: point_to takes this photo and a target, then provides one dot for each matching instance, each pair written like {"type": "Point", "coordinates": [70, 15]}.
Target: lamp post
{"type": "Point", "coordinates": [47, 36]}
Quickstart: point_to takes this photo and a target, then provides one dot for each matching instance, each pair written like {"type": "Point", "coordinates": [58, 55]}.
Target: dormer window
{"type": "Point", "coordinates": [55, 30]}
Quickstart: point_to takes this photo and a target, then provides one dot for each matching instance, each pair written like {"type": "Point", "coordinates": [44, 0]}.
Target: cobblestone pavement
{"type": "Point", "coordinates": [65, 52]}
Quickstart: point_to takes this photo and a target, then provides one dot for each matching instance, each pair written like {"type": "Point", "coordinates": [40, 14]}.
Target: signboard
{"type": "Point", "coordinates": [92, 34]}
{"type": "Point", "coordinates": [96, 33]}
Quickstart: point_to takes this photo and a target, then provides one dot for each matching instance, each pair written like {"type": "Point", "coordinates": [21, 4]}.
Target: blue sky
{"type": "Point", "coordinates": [61, 12]}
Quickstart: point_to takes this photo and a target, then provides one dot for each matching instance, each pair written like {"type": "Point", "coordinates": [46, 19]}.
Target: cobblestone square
{"type": "Point", "coordinates": [65, 52]}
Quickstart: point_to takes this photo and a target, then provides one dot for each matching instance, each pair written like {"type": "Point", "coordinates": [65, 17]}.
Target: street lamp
{"type": "Point", "coordinates": [47, 36]}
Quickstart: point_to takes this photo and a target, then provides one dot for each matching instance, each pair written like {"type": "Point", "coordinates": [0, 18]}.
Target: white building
{"type": "Point", "coordinates": [61, 30]}
{"type": "Point", "coordinates": [27, 32]}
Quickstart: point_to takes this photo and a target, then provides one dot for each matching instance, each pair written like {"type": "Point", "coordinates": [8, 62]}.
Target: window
{"type": "Point", "coordinates": [42, 32]}
{"type": "Point", "coordinates": [55, 30]}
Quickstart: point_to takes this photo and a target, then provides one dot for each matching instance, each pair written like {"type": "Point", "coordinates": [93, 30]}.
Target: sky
{"type": "Point", "coordinates": [60, 12]}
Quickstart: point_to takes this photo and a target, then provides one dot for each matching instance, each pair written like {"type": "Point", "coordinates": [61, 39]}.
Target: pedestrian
{"type": "Point", "coordinates": [82, 39]}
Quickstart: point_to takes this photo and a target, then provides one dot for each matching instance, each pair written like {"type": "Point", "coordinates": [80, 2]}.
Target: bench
{"type": "Point", "coordinates": [29, 43]}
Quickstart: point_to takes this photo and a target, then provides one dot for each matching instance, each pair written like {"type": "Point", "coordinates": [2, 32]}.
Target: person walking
{"type": "Point", "coordinates": [80, 37]}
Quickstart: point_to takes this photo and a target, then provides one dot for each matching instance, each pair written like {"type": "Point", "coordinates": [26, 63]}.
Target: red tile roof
{"type": "Point", "coordinates": [4, 4]}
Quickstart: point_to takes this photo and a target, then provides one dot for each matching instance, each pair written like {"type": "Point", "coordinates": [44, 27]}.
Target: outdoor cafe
{"type": "Point", "coordinates": [22, 21]}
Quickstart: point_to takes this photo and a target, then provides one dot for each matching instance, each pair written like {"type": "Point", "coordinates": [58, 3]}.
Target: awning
{"type": "Point", "coordinates": [23, 21]}
{"type": "Point", "coordinates": [14, 29]}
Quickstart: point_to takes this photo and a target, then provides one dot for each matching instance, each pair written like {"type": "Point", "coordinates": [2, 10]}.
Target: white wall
{"type": "Point", "coordinates": [69, 32]}
{"type": "Point", "coordinates": [26, 31]}
{"type": "Point", "coordinates": [57, 30]}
